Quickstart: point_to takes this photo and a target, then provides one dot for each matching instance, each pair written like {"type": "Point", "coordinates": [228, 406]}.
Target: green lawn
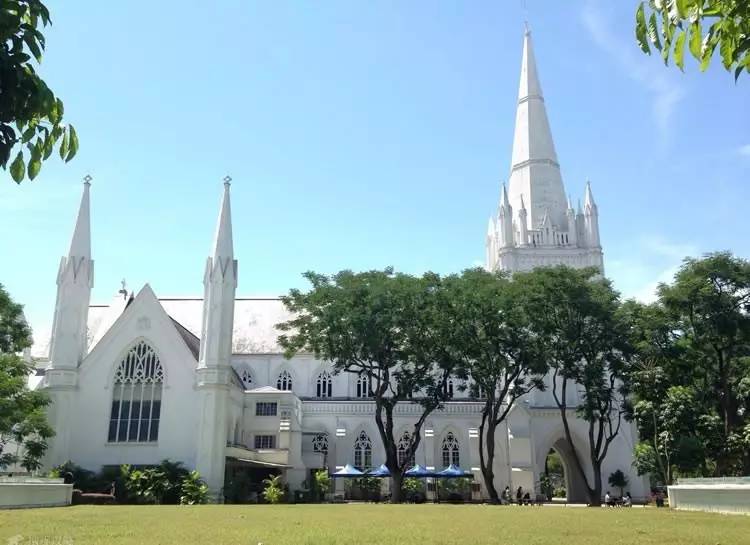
{"type": "Point", "coordinates": [368, 524]}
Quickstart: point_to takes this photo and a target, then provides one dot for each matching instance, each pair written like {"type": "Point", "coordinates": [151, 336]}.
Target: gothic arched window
{"type": "Point", "coordinates": [324, 385]}
{"type": "Point", "coordinates": [320, 443]}
{"type": "Point", "coordinates": [136, 396]}
{"type": "Point", "coordinates": [247, 379]}
{"type": "Point", "coordinates": [451, 450]}
{"type": "Point", "coordinates": [449, 388]}
{"type": "Point", "coordinates": [284, 382]}
{"type": "Point", "coordinates": [363, 451]}
{"type": "Point", "coordinates": [402, 449]}
{"type": "Point", "coordinates": [363, 386]}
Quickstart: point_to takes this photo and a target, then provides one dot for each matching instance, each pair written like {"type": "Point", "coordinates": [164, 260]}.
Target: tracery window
{"type": "Point", "coordinates": [363, 451]}
{"type": "Point", "coordinates": [402, 449]}
{"type": "Point", "coordinates": [284, 382]}
{"type": "Point", "coordinates": [247, 379]}
{"type": "Point", "coordinates": [451, 450]}
{"type": "Point", "coordinates": [363, 386]}
{"type": "Point", "coordinates": [324, 385]}
{"type": "Point", "coordinates": [136, 396]}
{"type": "Point", "coordinates": [449, 388]}
{"type": "Point", "coordinates": [320, 443]}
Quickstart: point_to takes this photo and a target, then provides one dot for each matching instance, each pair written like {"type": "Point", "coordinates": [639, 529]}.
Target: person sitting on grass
{"type": "Point", "coordinates": [527, 499]}
{"type": "Point", "coordinates": [627, 501]}
{"type": "Point", "coordinates": [519, 495]}
{"type": "Point", "coordinates": [506, 496]}
{"type": "Point", "coordinates": [608, 501]}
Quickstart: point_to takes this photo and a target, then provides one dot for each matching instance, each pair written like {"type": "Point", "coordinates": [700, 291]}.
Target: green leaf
{"type": "Point", "coordinates": [35, 165]}
{"type": "Point", "coordinates": [726, 49]}
{"type": "Point", "coordinates": [679, 51]}
{"type": "Point", "coordinates": [73, 143]}
{"type": "Point", "coordinates": [696, 39]}
{"type": "Point", "coordinates": [33, 46]}
{"type": "Point", "coordinates": [682, 7]}
{"type": "Point", "coordinates": [640, 30]}
{"type": "Point", "coordinates": [28, 134]}
{"type": "Point", "coordinates": [60, 108]}
{"type": "Point", "coordinates": [64, 146]}
{"type": "Point", "coordinates": [18, 168]}
{"type": "Point", "coordinates": [653, 32]}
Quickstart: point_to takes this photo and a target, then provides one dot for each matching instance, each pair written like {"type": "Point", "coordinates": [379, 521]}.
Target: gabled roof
{"type": "Point", "coordinates": [193, 342]}
{"type": "Point", "coordinates": [255, 320]}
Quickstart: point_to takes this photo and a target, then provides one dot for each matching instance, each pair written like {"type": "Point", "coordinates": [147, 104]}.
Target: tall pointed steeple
{"type": "Point", "coordinates": [223, 246]}
{"type": "Point", "coordinates": [75, 278]}
{"type": "Point", "coordinates": [213, 373]}
{"type": "Point", "coordinates": [220, 283]}
{"type": "Point", "coordinates": [80, 244]}
{"type": "Point", "coordinates": [535, 171]}
{"type": "Point", "coordinates": [68, 345]}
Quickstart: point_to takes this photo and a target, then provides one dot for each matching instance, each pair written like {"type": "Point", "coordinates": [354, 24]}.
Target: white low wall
{"type": "Point", "coordinates": [720, 496]}
{"type": "Point", "coordinates": [34, 492]}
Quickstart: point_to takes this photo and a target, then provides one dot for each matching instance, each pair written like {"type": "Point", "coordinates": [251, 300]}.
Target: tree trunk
{"type": "Point", "coordinates": [397, 480]}
{"type": "Point", "coordinates": [487, 462]}
{"type": "Point", "coordinates": [595, 493]}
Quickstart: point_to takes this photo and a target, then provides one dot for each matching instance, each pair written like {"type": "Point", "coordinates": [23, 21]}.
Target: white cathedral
{"type": "Point", "coordinates": [203, 380]}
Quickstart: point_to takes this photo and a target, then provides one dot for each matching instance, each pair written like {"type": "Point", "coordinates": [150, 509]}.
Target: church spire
{"type": "Point", "coordinates": [80, 244]}
{"type": "Point", "coordinates": [223, 246]}
{"type": "Point", "coordinates": [535, 171]}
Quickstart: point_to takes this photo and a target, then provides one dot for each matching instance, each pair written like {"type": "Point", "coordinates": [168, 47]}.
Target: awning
{"type": "Point", "coordinates": [258, 463]}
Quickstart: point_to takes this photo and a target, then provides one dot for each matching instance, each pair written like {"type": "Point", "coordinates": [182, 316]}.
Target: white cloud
{"type": "Point", "coordinates": [652, 76]}
{"type": "Point", "coordinates": [650, 261]}
{"type": "Point", "coordinates": [744, 150]}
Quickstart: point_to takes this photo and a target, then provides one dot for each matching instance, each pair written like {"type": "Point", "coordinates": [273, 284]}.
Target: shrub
{"type": "Point", "coordinates": [274, 491]}
{"type": "Point", "coordinates": [161, 484]}
{"type": "Point", "coordinates": [321, 484]}
{"type": "Point", "coordinates": [413, 490]}
{"type": "Point", "coordinates": [193, 489]}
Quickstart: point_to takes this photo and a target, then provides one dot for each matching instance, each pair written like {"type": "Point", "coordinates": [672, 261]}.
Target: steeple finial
{"type": "Point", "coordinates": [588, 199]}
{"type": "Point", "coordinates": [223, 246]}
{"type": "Point", "coordinates": [504, 202]}
{"type": "Point", "coordinates": [80, 244]}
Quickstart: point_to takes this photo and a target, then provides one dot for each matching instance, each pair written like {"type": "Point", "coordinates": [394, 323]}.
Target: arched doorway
{"type": "Point", "coordinates": [560, 466]}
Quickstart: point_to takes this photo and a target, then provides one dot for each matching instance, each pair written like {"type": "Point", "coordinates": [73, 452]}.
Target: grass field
{"type": "Point", "coordinates": [367, 524]}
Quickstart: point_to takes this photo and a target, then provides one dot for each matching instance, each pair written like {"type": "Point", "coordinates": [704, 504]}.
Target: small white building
{"type": "Point", "coordinates": [203, 380]}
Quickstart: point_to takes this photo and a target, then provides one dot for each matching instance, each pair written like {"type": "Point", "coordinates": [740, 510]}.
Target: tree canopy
{"type": "Point", "coordinates": [381, 326]}
{"type": "Point", "coordinates": [671, 26]}
{"type": "Point", "coordinates": [490, 335]}
{"type": "Point", "coordinates": [31, 116]}
{"type": "Point", "coordinates": [582, 333]}
{"type": "Point", "coordinates": [22, 411]}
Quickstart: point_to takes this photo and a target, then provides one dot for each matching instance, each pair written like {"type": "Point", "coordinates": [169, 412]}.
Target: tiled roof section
{"type": "Point", "coordinates": [192, 341]}
{"type": "Point", "coordinates": [255, 320]}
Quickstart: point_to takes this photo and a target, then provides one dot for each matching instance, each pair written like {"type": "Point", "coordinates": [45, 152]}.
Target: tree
{"type": "Point", "coordinates": [671, 25]}
{"type": "Point", "coordinates": [30, 113]}
{"type": "Point", "coordinates": [583, 337]}
{"type": "Point", "coordinates": [666, 408]}
{"type": "Point", "coordinates": [489, 334]}
{"type": "Point", "coordinates": [709, 305]}
{"type": "Point", "coordinates": [381, 326]}
{"type": "Point", "coordinates": [619, 480]}
{"type": "Point", "coordinates": [22, 411]}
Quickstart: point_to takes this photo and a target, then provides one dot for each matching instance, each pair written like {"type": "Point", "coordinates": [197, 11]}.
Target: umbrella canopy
{"type": "Point", "coordinates": [419, 471]}
{"type": "Point", "coordinates": [382, 471]}
{"type": "Point", "coordinates": [348, 471]}
{"type": "Point", "coordinates": [452, 472]}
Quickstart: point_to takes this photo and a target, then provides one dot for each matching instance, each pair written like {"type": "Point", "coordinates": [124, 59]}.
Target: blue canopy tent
{"type": "Point", "coordinates": [419, 472]}
{"type": "Point", "coordinates": [348, 471]}
{"type": "Point", "coordinates": [450, 472]}
{"type": "Point", "coordinates": [381, 472]}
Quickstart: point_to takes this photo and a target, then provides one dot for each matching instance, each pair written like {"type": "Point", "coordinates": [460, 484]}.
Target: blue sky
{"type": "Point", "coordinates": [361, 135]}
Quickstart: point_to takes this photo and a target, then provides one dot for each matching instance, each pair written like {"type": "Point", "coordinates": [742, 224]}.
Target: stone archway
{"type": "Point", "coordinates": [575, 484]}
